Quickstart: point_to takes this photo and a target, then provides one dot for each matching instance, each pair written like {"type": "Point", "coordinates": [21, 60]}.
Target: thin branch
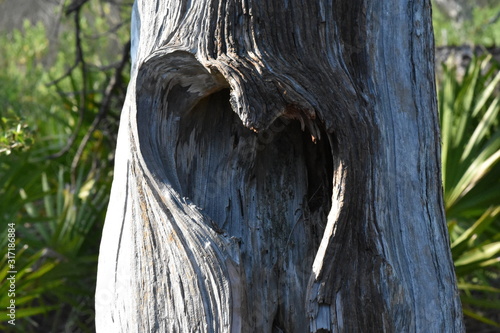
{"type": "Point", "coordinates": [78, 61]}
{"type": "Point", "coordinates": [107, 32]}
{"type": "Point", "coordinates": [65, 75]}
{"type": "Point", "coordinates": [493, 19]}
{"type": "Point", "coordinates": [104, 107]}
{"type": "Point", "coordinates": [105, 68]}
{"type": "Point", "coordinates": [119, 3]}
{"type": "Point", "coordinates": [75, 6]}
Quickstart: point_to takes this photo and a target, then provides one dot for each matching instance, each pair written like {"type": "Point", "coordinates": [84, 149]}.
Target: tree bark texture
{"type": "Point", "coordinates": [278, 170]}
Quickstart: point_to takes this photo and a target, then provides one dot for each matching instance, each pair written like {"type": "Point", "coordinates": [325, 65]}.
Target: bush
{"type": "Point", "coordinates": [482, 29]}
{"type": "Point", "coordinates": [470, 128]}
{"type": "Point", "coordinates": [58, 128]}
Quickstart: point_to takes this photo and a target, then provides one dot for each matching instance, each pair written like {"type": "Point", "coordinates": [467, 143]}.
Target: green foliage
{"type": "Point", "coordinates": [58, 122]}
{"type": "Point", "coordinates": [15, 134]}
{"type": "Point", "coordinates": [483, 29]}
{"type": "Point", "coordinates": [471, 140]}
{"type": "Point", "coordinates": [57, 259]}
{"type": "Point", "coordinates": [21, 73]}
{"type": "Point", "coordinates": [470, 129]}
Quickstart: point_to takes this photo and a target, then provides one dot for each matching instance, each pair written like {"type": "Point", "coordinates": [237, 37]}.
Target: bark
{"type": "Point", "coordinates": [278, 170]}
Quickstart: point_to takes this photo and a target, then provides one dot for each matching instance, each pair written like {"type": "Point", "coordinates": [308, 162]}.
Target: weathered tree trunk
{"type": "Point", "coordinates": [278, 170]}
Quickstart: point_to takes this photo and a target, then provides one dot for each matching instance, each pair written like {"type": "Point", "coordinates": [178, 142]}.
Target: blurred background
{"type": "Point", "coordinates": [64, 69]}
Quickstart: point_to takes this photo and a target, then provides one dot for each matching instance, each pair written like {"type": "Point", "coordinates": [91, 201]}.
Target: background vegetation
{"type": "Point", "coordinates": [481, 28]}
{"type": "Point", "coordinates": [59, 114]}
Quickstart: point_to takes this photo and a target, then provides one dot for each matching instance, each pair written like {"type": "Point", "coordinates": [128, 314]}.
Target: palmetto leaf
{"type": "Point", "coordinates": [480, 256]}
{"type": "Point", "coordinates": [469, 286]}
{"type": "Point", "coordinates": [463, 242]}
{"type": "Point", "coordinates": [480, 318]}
{"type": "Point", "coordinates": [469, 115]}
{"type": "Point", "coordinates": [471, 140]}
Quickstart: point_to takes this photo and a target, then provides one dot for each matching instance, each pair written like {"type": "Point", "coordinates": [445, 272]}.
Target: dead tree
{"type": "Point", "coordinates": [278, 170]}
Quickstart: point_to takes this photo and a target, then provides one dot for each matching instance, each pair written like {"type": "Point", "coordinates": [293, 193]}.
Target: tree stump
{"type": "Point", "coordinates": [278, 170]}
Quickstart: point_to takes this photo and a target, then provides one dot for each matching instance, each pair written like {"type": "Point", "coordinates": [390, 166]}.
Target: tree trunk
{"type": "Point", "coordinates": [278, 170]}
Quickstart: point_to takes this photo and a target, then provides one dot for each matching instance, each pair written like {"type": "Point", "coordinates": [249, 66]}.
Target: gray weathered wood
{"type": "Point", "coordinates": [278, 170]}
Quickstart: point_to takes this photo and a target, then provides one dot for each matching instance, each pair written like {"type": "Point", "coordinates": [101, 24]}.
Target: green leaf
{"type": "Point", "coordinates": [31, 311]}
{"type": "Point", "coordinates": [479, 254]}
{"type": "Point", "coordinates": [470, 286]}
{"type": "Point", "coordinates": [462, 242]}
{"type": "Point", "coordinates": [480, 318]}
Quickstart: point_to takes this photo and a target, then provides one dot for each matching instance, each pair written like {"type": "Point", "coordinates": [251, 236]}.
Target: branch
{"type": "Point", "coordinates": [103, 109]}
{"type": "Point", "coordinates": [75, 6]}
{"type": "Point", "coordinates": [79, 60]}
{"type": "Point", "coordinates": [493, 19]}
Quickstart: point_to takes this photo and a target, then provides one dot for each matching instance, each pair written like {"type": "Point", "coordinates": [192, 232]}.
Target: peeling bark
{"type": "Point", "coordinates": [278, 170]}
